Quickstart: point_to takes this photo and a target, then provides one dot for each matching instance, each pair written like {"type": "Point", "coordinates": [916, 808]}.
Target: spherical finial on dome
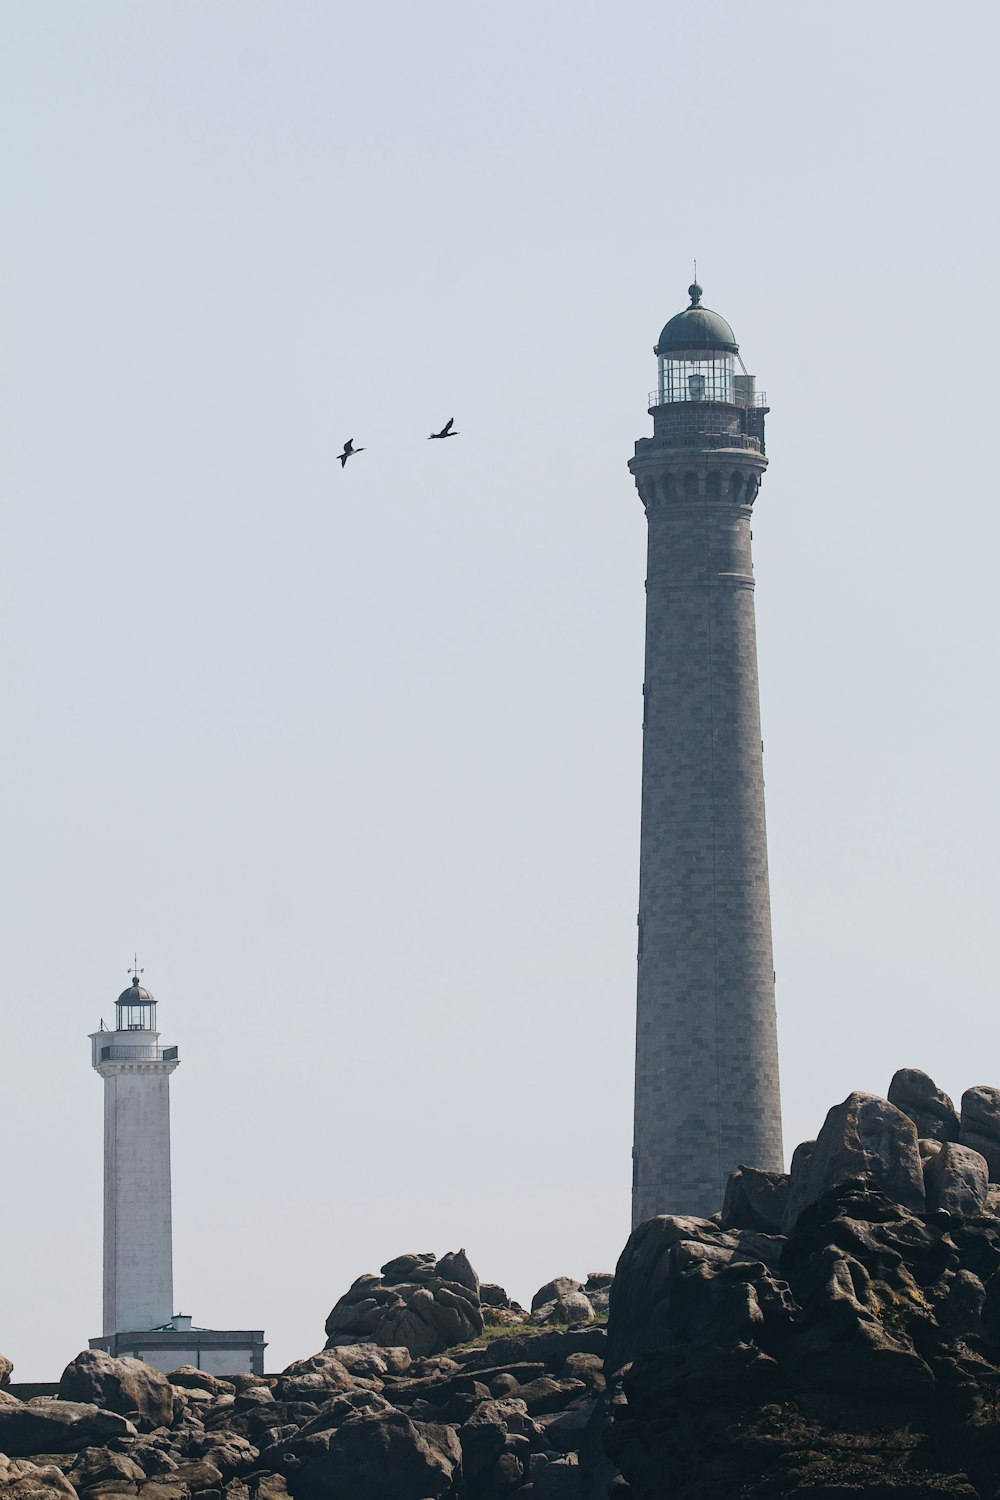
{"type": "Point", "coordinates": [694, 292]}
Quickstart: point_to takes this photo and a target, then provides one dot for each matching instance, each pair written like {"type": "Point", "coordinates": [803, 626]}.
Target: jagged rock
{"type": "Point", "coordinates": [755, 1200]}
{"type": "Point", "coordinates": [411, 1306]}
{"type": "Point", "coordinates": [960, 1311]}
{"type": "Point", "coordinates": [456, 1266]}
{"type": "Point", "coordinates": [546, 1394]}
{"type": "Point", "coordinates": [865, 1361]}
{"type": "Point", "coordinates": [45, 1425]}
{"type": "Point", "coordinates": [188, 1377]}
{"type": "Point", "coordinates": [6, 1366]}
{"type": "Point", "coordinates": [656, 1251]}
{"type": "Point", "coordinates": [317, 1378]}
{"type": "Point", "coordinates": [956, 1179]}
{"type": "Point", "coordinates": [231, 1454]}
{"type": "Point", "coordinates": [491, 1429]}
{"type": "Point", "coordinates": [930, 1109]}
{"type": "Point", "coordinates": [864, 1136]}
{"type": "Point", "coordinates": [130, 1387]}
{"type": "Point", "coordinates": [980, 1128]}
{"type": "Point", "coordinates": [372, 1361]}
{"type": "Point", "coordinates": [99, 1468]}
{"type": "Point", "coordinates": [20, 1480]}
{"type": "Point", "coordinates": [598, 1290]}
{"type": "Point", "coordinates": [377, 1455]}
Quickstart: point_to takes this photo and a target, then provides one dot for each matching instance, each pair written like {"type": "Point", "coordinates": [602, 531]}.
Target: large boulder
{"type": "Point", "coordinates": [862, 1358]}
{"type": "Point", "coordinates": [130, 1387]}
{"type": "Point", "coordinates": [930, 1109]}
{"type": "Point", "coordinates": [956, 1179]}
{"type": "Point", "coordinates": [104, 1471]}
{"type": "Point", "coordinates": [411, 1305]}
{"type": "Point", "coordinates": [755, 1199]}
{"type": "Point", "coordinates": [375, 1455]}
{"type": "Point", "coordinates": [20, 1480]}
{"type": "Point", "coordinates": [864, 1137]}
{"type": "Point", "coordinates": [981, 1125]}
{"type": "Point", "coordinates": [6, 1366]}
{"type": "Point", "coordinates": [46, 1425]}
{"type": "Point", "coordinates": [656, 1254]}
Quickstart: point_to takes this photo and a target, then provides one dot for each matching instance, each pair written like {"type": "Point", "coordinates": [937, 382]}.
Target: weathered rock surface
{"type": "Point", "coordinates": [956, 1179]}
{"type": "Point", "coordinates": [756, 1200]}
{"type": "Point", "coordinates": [6, 1366]}
{"type": "Point", "coordinates": [361, 1420]}
{"type": "Point", "coordinates": [47, 1425]}
{"type": "Point", "coordinates": [127, 1386]}
{"type": "Point", "coordinates": [857, 1355]}
{"type": "Point", "coordinates": [21, 1480]}
{"type": "Point", "coordinates": [980, 1128]}
{"type": "Point", "coordinates": [864, 1137]}
{"type": "Point", "coordinates": [416, 1303]}
{"type": "Point", "coordinates": [930, 1109]}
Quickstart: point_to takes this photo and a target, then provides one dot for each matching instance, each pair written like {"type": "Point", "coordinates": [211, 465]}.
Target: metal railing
{"type": "Point", "coordinates": [146, 1052]}
{"type": "Point", "coordinates": [656, 398]}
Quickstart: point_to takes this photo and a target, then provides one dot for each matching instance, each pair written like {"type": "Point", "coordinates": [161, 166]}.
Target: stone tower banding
{"type": "Point", "coordinates": [706, 1078]}
{"type": "Point", "coordinates": [138, 1259]}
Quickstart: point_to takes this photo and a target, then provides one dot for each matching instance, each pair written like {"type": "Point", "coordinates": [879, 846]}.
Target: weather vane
{"type": "Point", "coordinates": [134, 969]}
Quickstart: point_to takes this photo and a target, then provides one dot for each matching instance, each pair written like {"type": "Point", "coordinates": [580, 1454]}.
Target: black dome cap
{"type": "Point", "coordinates": [696, 328]}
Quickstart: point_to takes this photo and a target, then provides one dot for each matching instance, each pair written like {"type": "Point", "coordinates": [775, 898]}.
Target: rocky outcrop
{"type": "Point", "coordinates": [130, 1387]}
{"type": "Point", "coordinates": [21, 1480]}
{"type": "Point", "coordinates": [858, 1353]}
{"type": "Point", "coordinates": [6, 1366]}
{"type": "Point", "coordinates": [47, 1425]}
{"type": "Point", "coordinates": [360, 1420]}
{"type": "Point", "coordinates": [930, 1109]}
{"type": "Point", "coordinates": [418, 1302]}
{"type": "Point", "coordinates": [980, 1127]}
{"type": "Point", "coordinates": [864, 1137]}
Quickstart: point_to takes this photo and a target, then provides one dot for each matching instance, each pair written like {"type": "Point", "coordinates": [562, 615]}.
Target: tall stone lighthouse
{"type": "Point", "coordinates": [138, 1245]}
{"type": "Point", "coordinates": [706, 1077]}
{"type": "Point", "coordinates": [138, 1262]}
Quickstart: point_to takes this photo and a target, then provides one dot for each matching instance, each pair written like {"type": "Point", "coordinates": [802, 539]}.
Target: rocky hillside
{"type": "Point", "coordinates": [835, 1331]}
{"type": "Point", "coordinates": [483, 1399]}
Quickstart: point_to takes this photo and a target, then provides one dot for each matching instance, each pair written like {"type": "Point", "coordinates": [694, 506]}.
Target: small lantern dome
{"type": "Point", "coordinates": [698, 359]}
{"type": "Point", "coordinates": [136, 994]}
{"type": "Point", "coordinates": [696, 327]}
{"type": "Point", "coordinates": [135, 1008]}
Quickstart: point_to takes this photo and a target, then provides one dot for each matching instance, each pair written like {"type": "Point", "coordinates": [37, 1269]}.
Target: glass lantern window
{"type": "Point", "coordinates": [138, 1017]}
{"type": "Point", "coordinates": [696, 376]}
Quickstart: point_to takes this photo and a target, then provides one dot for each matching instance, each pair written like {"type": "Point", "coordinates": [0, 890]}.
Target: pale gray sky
{"type": "Point", "coordinates": [352, 759]}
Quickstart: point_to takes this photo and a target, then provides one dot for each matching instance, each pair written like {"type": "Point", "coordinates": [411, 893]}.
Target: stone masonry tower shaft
{"type": "Point", "coordinates": [706, 1080]}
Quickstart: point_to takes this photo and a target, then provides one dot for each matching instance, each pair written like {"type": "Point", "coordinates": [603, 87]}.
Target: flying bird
{"type": "Point", "coordinates": [349, 452]}
{"type": "Point", "coordinates": [445, 430]}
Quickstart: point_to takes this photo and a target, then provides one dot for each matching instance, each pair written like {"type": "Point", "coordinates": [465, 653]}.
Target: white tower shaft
{"type": "Point", "coordinates": [138, 1259]}
{"type": "Point", "coordinates": [138, 1251]}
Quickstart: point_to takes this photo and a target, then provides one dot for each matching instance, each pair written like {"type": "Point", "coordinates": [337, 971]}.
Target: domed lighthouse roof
{"type": "Point", "coordinates": [695, 328]}
{"type": "Point", "coordinates": [136, 994]}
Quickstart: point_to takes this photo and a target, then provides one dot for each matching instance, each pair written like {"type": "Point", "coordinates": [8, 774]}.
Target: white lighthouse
{"type": "Point", "coordinates": [138, 1254]}
{"type": "Point", "coordinates": [138, 1250]}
